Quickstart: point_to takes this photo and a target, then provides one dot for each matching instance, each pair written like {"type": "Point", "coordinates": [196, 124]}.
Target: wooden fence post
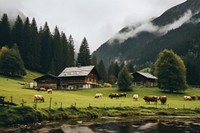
{"type": "Point", "coordinates": [35, 105]}
{"type": "Point", "coordinates": [23, 102]}
{"type": "Point", "coordinates": [50, 103]}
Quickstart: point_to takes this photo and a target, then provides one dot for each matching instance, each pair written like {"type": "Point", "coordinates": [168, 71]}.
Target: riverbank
{"type": "Point", "coordinates": [159, 124]}
{"type": "Point", "coordinates": [24, 115]}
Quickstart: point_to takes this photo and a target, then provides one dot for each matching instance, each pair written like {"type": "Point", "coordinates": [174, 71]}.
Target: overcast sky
{"type": "Point", "coordinates": [97, 20]}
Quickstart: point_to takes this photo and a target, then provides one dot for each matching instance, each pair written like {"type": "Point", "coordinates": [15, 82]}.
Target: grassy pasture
{"type": "Point", "coordinates": [84, 98]}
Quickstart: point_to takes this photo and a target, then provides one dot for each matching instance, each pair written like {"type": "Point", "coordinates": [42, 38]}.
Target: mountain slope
{"type": "Point", "coordinates": [176, 29]}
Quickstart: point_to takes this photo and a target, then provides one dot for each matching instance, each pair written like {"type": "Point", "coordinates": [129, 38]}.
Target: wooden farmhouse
{"type": "Point", "coordinates": [79, 77]}
{"type": "Point", "coordinates": [47, 81]}
{"type": "Point", "coordinates": [144, 79]}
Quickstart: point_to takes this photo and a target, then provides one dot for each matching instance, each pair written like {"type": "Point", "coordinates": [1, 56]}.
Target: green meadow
{"type": "Point", "coordinates": [84, 98]}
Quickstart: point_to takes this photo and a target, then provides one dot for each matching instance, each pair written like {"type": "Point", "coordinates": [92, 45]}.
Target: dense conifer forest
{"type": "Point", "coordinates": [39, 49]}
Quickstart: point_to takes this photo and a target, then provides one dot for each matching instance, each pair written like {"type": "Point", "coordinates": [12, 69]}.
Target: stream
{"type": "Point", "coordinates": [154, 124]}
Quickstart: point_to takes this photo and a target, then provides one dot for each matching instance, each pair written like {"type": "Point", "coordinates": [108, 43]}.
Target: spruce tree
{"type": "Point", "coordinates": [71, 51]}
{"type": "Point", "coordinates": [57, 52]}
{"type": "Point", "coordinates": [34, 48]}
{"type": "Point", "coordinates": [25, 46]}
{"type": "Point", "coordinates": [84, 54]}
{"type": "Point", "coordinates": [124, 80]}
{"type": "Point", "coordinates": [111, 78]}
{"type": "Point", "coordinates": [102, 71]}
{"type": "Point", "coordinates": [5, 31]}
{"type": "Point", "coordinates": [65, 51]}
{"type": "Point", "coordinates": [46, 52]}
{"type": "Point", "coordinates": [116, 69]}
{"type": "Point", "coordinates": [170, 71]}
{"type": "Point", "coordinates": [17, 33]}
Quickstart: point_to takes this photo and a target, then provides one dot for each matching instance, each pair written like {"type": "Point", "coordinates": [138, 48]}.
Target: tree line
{"type": "Point", "coordinates": [39, 49]}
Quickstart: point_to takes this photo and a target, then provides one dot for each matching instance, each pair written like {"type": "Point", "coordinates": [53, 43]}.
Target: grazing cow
{"type": "Point", "coordinates": [114, 95]}
{"type": "Point", "coordinates": [49, 91]}
{"type": "Point", "coordinates": [98, 95]}
{"type": "Point", "coordinates": [189, 98]}
{"type": "Point", "coordinates": [38, 98]}
{"type": "Point", "coordinates": [198, 97]}
{"type": "Point", "coordinates": [149, 99]}
{"type": "Point", "coordinates": [122, 94]}
{"type": "Point", "coordinates": [193, 98]}
{"type": "Point", "coordinates": [42, 89]}
{"type": "Point", "coordinates": [135, 97]}
{"type": "Point", "coordinates": [163, 99]}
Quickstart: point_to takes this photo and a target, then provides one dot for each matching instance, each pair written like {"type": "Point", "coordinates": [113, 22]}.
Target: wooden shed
{"type": "Point", "coordinates": [144, 79]}
{"type": "Point", "coordinates": [79, 77]}
{"type": "Point", "coordinates": [47, 81]}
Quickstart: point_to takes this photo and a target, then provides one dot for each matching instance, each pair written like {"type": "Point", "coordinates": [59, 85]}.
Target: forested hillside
{"type": "Point", "coordinates": [178, 29]}
{"type": "Point", "coordinates": [39, 49]}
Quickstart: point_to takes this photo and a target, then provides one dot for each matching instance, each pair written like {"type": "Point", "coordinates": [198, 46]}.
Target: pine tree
{"type": "Point", "coordinates": [124, 80]}
{"type": "Point", "coordinates": [57, 52]}
{"type": "Point", "coordinates": [34, 48]}
{"type": "Point", "coordinates": [25, 46]}
{"type": "Point", "coordinates": [102, 71]}
{"type": "Point", "coordinates": [111, 78]}
{"type": "Point", "coordinates": [65, 51]}
{"type": "Point", "coordinates": [170, 71]}
{"type": "Point", "coordinates": [46, 52]}
{"type": "Point", "coordinates": [84, 54]}
{"type": "Point", "coordinates": [116, 69]}
{"type": "Point", "coordinates": [71, 51]}
{"type": "Point", "coordinates": [17, 33]}
{"type": "Point", "coordinates": [5, 31]}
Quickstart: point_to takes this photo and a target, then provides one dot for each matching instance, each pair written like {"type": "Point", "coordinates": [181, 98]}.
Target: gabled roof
{"type": "Point", "coordinates": [147, 75]}
{"type": "Point", "coordinates": [76, 71]}
{"type": "Point", "coordinates": [47, 75]}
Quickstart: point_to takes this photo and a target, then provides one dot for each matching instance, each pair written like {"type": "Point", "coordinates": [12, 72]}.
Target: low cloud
{"type": "Point", "coordinates": [149, 27]}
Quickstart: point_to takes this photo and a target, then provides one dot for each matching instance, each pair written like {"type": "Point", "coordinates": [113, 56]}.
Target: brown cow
{"type": "Point", "coordinates": [122, 94]}
{"type": "Point", "coordinates": [42, 89]}
{"type": "Point", "coordinates": [187, 98]}
{"type": "Point", "coordinates": [149, 99]}
{"type": "Point", "coordinates": [193, 98]}
{"type": "Point", "coordinates": [198, 97]}
{"type": "Point", "coordinates": [116, 95]}
{"type": "Point", "coordinates": [163, 99]}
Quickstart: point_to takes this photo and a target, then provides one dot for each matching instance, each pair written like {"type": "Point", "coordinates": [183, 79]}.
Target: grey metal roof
{"type": "Point", "coordinates": [76, 71]}
{"type": "Point", "coordinates": [147, 75]}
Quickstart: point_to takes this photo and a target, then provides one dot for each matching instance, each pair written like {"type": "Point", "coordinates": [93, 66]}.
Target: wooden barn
{"type": "Point", "coordinates": [144, 79]}
{"type": "Point", "coordinates": [79, 77]}
{"type": "Point", "coordinates": [48, 81]}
